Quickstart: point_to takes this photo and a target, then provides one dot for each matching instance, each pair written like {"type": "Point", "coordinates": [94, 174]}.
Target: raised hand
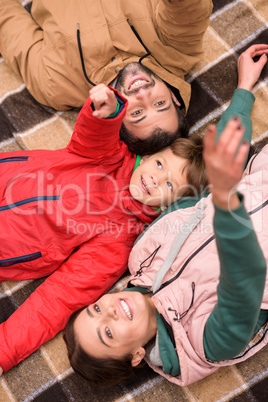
{"type": "Point", "coordinates": [104, 101]}
{"type": "Point", "coordinates": [225, 162]}
{"type": "Point", "coordinates": [248, 70]}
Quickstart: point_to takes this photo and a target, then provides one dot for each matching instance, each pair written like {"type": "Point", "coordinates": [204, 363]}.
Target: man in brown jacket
{"type": "Point", "coordinates": [66, 47]}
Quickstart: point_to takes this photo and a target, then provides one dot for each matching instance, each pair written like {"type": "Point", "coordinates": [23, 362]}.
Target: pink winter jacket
{"type": "Point", "coordinates": [197, 262]}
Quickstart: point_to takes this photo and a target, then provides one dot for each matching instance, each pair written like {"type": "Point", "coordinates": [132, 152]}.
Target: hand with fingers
{"type": "Point", "coordinates": [1, 371]}
{"type": "Point", "coordinates": [225, 162]}
{"type": "Point", "coordinates": [248, 70]}
{"type": "Point", "coordinates": [104, 101]}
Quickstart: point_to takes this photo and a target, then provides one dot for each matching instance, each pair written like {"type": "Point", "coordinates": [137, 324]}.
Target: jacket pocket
{"type": "Point", "coordinates": [23, 258]}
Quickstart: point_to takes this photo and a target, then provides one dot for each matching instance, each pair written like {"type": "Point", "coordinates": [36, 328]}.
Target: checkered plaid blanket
{"type": "Point", "coordinates": [24, 124]}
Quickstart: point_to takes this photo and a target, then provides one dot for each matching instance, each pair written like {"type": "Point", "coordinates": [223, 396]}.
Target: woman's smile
{"type": "Point", "coordinates": [125, 307]}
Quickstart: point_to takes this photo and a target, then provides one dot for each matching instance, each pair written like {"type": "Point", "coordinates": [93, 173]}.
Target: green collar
{"type": "Point", "coordinates": [169, 357]}
{"type": "Point", "coordinates": [137, 163]}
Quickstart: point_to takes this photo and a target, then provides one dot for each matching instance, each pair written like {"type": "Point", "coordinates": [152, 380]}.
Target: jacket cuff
{"type": "Point", "coordinates": [5, 362]}
{"type": "Point", "coordinates": [119, 107]}
{"type": "Point", "coordinates": [243, 100]}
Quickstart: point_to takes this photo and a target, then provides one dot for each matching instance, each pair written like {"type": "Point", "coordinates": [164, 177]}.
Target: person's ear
{"type": "Point", "coordinates": [143, 158]}
{"type": "Point", "coordinates": [175, 99]}
{"type": "Point", "coordinates": [138, 356]}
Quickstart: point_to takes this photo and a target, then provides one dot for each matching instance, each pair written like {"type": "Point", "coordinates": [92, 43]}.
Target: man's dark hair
{"type": "Point", "coordinates": [158, 140]}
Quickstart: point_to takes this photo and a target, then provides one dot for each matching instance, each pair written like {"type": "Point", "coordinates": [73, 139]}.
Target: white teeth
{"type": "Point", "coordinates": [144, 185]}
{"type": "Point", "coordinates": [126, 309]}
{"type": "Point", "coordinates": [136, 83]}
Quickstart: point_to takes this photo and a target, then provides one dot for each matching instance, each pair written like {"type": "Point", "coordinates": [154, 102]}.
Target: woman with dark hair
{"type": "Point", "coordinates": [198, 295]}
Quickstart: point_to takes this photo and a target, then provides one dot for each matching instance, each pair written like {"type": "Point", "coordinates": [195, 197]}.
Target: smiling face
{"type": "Point", "coordinates": [150, 104]}
{"type": "Point", "coordinates": [116, 325]}
{"type": "Point", "coordinates": [159, 180]}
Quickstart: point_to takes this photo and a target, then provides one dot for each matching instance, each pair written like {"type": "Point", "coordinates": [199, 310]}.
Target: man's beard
{"type": "Point", "coordinates": [130, 70]}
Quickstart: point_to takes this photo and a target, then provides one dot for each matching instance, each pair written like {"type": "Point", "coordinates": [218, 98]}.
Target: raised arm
{"type": "Point", "coordinates": [96, 132]}
{"type": "Point", "coordinates": [242, 100]}
{"type": "Point", "coordinates": [224, 162]}
{"type": "Point", "coordinates": [233, 320]}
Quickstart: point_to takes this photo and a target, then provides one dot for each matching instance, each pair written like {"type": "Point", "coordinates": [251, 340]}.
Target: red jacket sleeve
{"type": "Point", "coordinates": [95, 138]}
{"type": "Point", "coordinates": [82, 279]}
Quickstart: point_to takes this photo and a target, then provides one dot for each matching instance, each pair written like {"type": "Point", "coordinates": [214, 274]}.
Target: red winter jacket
{"type": "Point", "coordinates": [67, 214]}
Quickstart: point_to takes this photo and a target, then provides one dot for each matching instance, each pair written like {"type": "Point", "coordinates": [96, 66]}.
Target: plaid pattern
{"type": "Point", "coordinates": [24, 124]}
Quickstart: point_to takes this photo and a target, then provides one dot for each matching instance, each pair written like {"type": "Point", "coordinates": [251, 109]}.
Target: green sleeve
{"type": "Point", "coordinates": [241, 105]}
{"type": "Point", "coordinates": [233, 320]}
